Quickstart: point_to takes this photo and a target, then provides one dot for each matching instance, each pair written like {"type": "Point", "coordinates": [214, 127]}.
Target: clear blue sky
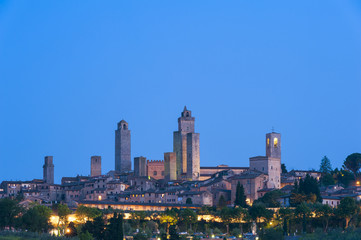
{"type": "Point", "coordinates": [70, 70]}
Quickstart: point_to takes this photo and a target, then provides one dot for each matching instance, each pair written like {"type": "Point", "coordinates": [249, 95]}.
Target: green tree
{"type": "Point", "coordinates": [284, 169]}
{"type": "Point", "coordinates": [139, 217]}
{"type": "Point", "coordinates": [36, 219]}
{"type": "Point", "coordinates": [346, 209]}
{"type": "Point", "coordinates": [222, 202]}
{"type": "Point", "coordinates": [272, 234]}
{"type": "Point", "coordinates": [325, 166]}
{"type": "Point", "coordinates": [227, 215]}
{"type": "Point", "coordinates": [240, 196]}
{"type": "Point", "coordinates": [71, 230]}
{"type": "Point", "coordinates": [95, 227]}
{"type": "Point", "coordinates": [327, 179]}
{"type": "Point", "coordinates": [270, 199]}
{"type": "Point", "coordinates": [310, 187]}
{"type": "Point", "coordinates": [258, 212]}
{"type": "Point", "coordinates": [240, 214]}
{"type": "Point", "coordinates": [114, 230]}
{"type": "Point", "coordinates": [9, 209]}
{"type": "Point", "coordinates": [303, 211]}
{"type": "Point", "coordinates": [353, 163]}
{"type": "Point", "coordinates": [85, 236]}
{"type": "Point", "coordinates": [168, 217]}
{"type": "Point", "coordinates": [285, 214]}
{"type": "Point", "coordinates": [324, 213]}
{"type": "Point", "coordinates": [63, 213]}
{"type": "Point", "coordinates": [84, 213]}
{"type": "Point", "coordinates": [343, 176]}
{"type": "Point", "coordinates": [189, 217]}
{"type": "Point", "coordinates": [173, 235]}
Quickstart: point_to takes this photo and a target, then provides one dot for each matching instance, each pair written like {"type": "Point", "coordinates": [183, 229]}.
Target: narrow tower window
{"type": "Point", "coordinates": [275, 142]}
{"type": "Point", "coordinates": [267, 141]}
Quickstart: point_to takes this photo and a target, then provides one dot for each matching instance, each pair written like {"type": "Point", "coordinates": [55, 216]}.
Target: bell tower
{"type": "Point", "coordinates": [273, 145]}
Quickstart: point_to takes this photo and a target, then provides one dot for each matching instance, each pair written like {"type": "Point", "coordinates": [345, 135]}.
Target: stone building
{"type": "Point", "coordinates": [95, 166]}
{"type": "Point", "coordinates": [155, 169]}
{"type": "Point", "coordinates": [122, 148]}
{"type": "Point", "coordinates": [271, 163]}
{"type": "Point", "coordinates": [186, 147]}
{"type": "Point", "coordinates": [252, 181]}
{"type": "Point", "coordinates": [140, 166]}
{"type": "Point", "coordinates": [48, 170]}
{"type": "Point", "coordinates": [170, 166]}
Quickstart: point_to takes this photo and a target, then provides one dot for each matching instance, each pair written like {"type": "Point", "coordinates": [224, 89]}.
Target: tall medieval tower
{"type": "Point", "coordinates": [95, 166]}
{"type": "Point", "coordinates": [48, 170]}
{"type": "Point", "coordinates": [186, 147]}
{"type": "Point", "coordinates": [122, 148]}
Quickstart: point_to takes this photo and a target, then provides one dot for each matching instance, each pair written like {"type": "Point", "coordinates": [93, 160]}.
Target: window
{"type": "Point", "coordinates": [162, 173]}
{"type": "Point", "coordinates": [275, 142]}
{"type": "Point", "coordinates": [155, 173]}
{"type": "Point", "coordinates": [267, 141]}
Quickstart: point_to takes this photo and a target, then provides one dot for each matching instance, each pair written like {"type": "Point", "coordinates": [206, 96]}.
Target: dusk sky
{"type": "Point", "coordinates": [70, 70]}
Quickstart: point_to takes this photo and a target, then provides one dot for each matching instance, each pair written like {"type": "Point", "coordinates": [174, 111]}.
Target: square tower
{"type": "Point", "coordinates": [140, 166]}
{"type": "Point", "coordinates": [193, 158]}
{"type": "Point", "coordinates": [273, 145]}
{"type": "Point", "coordinates": [48, 170]}
{"type": "Point", "coordinates": [95, 166]}
{"type": "Point", "coordinates": [122, 148]}
{"type": "Point", "coordinates": [271, 163]}
{"type": "Point", "coordinates": [170, 166]}
{"type": "Point", "coordinates": [187, 153]}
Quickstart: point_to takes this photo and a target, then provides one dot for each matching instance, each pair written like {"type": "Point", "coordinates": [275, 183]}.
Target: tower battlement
{"type": "Point", "coordinates": [155, 161]}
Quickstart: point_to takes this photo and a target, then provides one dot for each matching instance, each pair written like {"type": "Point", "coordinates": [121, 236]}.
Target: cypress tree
{"type": "Point", "coordinates": [240, 196]}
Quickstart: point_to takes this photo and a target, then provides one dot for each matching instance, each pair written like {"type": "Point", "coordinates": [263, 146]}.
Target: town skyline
{"type": "Point", "coordinates": [106, 162]}
{"type": "Point", "coordinates": [68, 77]}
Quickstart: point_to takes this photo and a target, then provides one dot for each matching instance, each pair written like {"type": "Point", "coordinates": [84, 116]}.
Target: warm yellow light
{"type": "Point", "coordinates": [275, 142]}
{"type": "Point", "coordinates": [358, 182]}
{"type": "Point", "coordinates": [99, 198]}
{"type": "Point", "coordinates": [270, 223]}
{"type": "Point", "coordinates": [68, 230]}
{"type": "Point", "coordinates": [212, 236]}
{"type": "Point", "coordinates": [158, 238]}
{"type": "Point", "coordinates": [267, 141]}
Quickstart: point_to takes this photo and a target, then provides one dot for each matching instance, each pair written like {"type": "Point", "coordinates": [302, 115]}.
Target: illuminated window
{"type": "Point", "coordinates": [275, 142]}
{"type": "Point", "coordinates": [267, 141]}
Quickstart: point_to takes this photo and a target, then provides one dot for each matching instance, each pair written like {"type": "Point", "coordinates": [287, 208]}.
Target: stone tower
{"type": "Point", "coordinates": [122, 148]}
{"type": "Point", "coordinates": [95, 166]}
{"type": "Point", "coordinates": [273, 145]}
{"type": "Point", "coordinates": [48, 170]}
{"type": "Point", "coordinates": [170, 166]}
{"type": "Point", "coordinates": [186, 147]}
{"type": "Point", "coordinates": [140, 166]}
{"type": "Point", "coordinates": [271, 163]}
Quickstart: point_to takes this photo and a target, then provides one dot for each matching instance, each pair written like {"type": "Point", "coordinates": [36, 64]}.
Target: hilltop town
{"type": "Point", "coordinates": [177, 181]}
